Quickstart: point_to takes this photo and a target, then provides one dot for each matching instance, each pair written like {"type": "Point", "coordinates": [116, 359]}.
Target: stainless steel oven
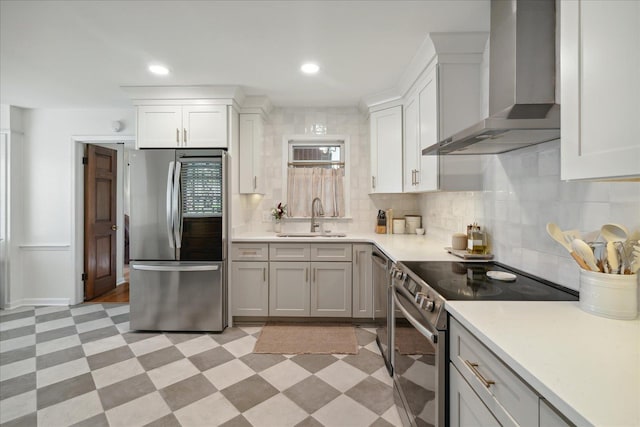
{"type": "Point", "coordinates": [419, 325]}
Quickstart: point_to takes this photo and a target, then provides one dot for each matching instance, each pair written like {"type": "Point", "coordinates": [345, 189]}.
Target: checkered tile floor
{"type": "Point", "coordinates": [81, 366]}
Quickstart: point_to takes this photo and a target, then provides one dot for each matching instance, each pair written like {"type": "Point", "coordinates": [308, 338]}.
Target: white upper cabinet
{"type": "Point", "coordinates": [251, 154]}
{"type": "Point", "coordinates": [411, 145]}
{"type": "Point", "coordinates": [600, 88]}
{"type": "Point", "coordinates": [428, 119]}
{"type": "Point", "coordinates": [178, 126]}
{"type": "Point", "coordinates": [386, 150]}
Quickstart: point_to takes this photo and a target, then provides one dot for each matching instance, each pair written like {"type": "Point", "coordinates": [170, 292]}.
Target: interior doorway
{"type": "Point", "coordinates": [122, 146]}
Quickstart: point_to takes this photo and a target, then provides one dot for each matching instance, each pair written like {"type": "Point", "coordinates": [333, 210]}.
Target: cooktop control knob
{"type": "Point", "coordinates": [429, 305]}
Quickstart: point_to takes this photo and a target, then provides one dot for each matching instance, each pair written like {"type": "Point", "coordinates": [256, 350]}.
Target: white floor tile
{"type": "Point", "coordinates": [229, 373]}
{"type": "Point", "coordinates": [211, 411]}
{"type": "Point", "coordinates": [18, 323]}
{"type": "Point", "coordinates": [341, 375]}
{"type": "Point", "coordinates": [392, 416]}
{"type": "Point", "coordinates": [115, 311]}
{"type": "Point", "coordinates": [123, 327]}
{"type": "Point", "coordinates": [105, 344]}
{"type": "Point", "coordinates": [62, 372]}
{"type": "Point", "coordinates": [284, 374]}
{"type": "Point", "coordinates": [346, 412]}
{"type": "Point", "coordinates": [16, 369]}
{"type": "Point", "coordinates": [55, 324]}
{"type": "Point", "coordinates": [276, 411]}
{"type": "Point", "coordinates": [172, 373]}
{"type": "Point", "coordinates": [94, 324]}
{"type": "Point", "coordinates": [86, 309]}
{"type": "Point", "coordinates": [50, 309]}
{"type": "Point", "coordinates": [383, 376]}
{"type": "Point", "coordinates": [373, 347]}
{"type": "Point", "coordinates": [242, 346]}
{"type": "Point", "coordinates": [16, 343]}
{"type": "Point", "coordinates": [117, 372]}
{"type": "Point", "coordinates": [71, 411]}
{"type": "Point", "coordinates": [55, 345]}
{"type": "Point", "coordinates": [197, 345]}
{"type": "Point", "coordinates": [138, 412]}
{"type": "Point", "coordinates": [150, 344]}
{"type": "Point", "coordinates": [251, 329]}
{"type": "Point", "coordinates": [15, 310]}
{"type": "Point", "coordinates": [17, 406]}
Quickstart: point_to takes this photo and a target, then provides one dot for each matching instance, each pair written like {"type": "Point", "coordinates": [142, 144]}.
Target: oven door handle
{"type": "Point", "coordinates": [424, 331]}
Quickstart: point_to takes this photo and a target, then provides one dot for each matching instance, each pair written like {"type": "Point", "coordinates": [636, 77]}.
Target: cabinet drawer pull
{"type": "Point", "coordinates": [474, 367]}
{"type": "Point", "coordinates": [245, 253]}
{"type": "Point", "coordinates": [177, 136]}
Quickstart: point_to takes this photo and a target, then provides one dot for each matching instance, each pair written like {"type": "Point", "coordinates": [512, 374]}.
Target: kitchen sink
{"type": "Point", "coordinates": [311, 235]}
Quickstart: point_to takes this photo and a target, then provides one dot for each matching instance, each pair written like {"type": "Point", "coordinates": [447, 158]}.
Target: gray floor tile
{"type": "Point", "coordinates": [15, 316]}
{"type": "Point", "coordinates": [125, 391]}
{"type": "Point", "coordinates": [187, 391]}
{"type": "Point", "coordinates": [211, 358]}
{"type": "Point", "coordinates": [131, 337]}
{"type": "Point", "coordinates": [65, 390]}
{"type": "Point", "coordinates": [249, 392]}
{"type": "Point", "coordinates": [55, 334]}
{"type": "Point", "coordinates": [57, 357]}
{"type": "Point", "coordinates": [90, 316]}
{"type": "Point", "coordinates": [99, 420]}
{"type": "Point", "coordinates": [98, 334]}
{"type": "Point", "coordinates": [367, 361]}
{"type": "Point", "coordinates": [53, 316]}
{"type": "Point", "coordinates": [364, 337]}
{"type": "Point", "coordinates": [381, 422]}
{"type": "Point", "coordinates": [311, 394]}
{"type": "Point", "coordinates": [17, 355]}
{"type": "Point", "coordinates": [373, 394]}
{"type": "Point", "coordinates": [178, 337]}
{"type": "Point", "coordinates": [238, 421]}
{"type": "Point", "coordinates": [17, 332]}
{"type": "Point", "coordinates": [109, 357]}
{"type": "Point", "coordinates": [309, 422]}
{"type": "Point", "coordinates": [120, 318]}
{"type": "Point", "coordinates": [168, 420]}
{"type": "Point", "coordinates": [17, 385]}
{"type": "Point", "coordinates": [314, 362]}
{"type": "Point", "coordinates": [29, 420]}
{"type": "Point", "coordinates": [260, 362]}
{"type": "Point", "coordinates": [229, 334]}
{"type": "Point", "coordinates": [158, 358]}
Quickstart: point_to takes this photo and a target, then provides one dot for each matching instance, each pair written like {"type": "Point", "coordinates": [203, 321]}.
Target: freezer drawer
{"type": "Point", "coordinates": [177, 296]}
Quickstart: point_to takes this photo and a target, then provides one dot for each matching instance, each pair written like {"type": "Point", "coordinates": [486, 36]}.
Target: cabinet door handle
{"type": "Point", "coordinates": [306, 274]}
{"type": "Point", "coordinates": [373, 182]}
{"type": "Point", "coordinates": [255, 182]}
{"type": "Point", "coordinates": [357, 257]}
{"type": "Point", "coordinates": [264, 274]}
{"type": "Point", "coordinates": [184, 136]}
{"type": "Point", "coordinates": [177, 136]}
{"type": "Point", "coordinates": [474, 368]}
{"type": "Point", "coordinates": [417, 177]}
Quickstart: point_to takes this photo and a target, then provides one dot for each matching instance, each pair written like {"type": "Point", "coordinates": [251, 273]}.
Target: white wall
{"type": "Point", "coordinates": [337, 121]}
{"type": "Point", "coordinates": [47, 236]}
{"type": "Point", "coordinates": [523, 192]}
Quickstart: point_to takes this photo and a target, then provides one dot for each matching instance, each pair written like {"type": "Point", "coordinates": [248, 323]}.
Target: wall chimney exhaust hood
{"type": "Point", "coordinates": [522, 80]}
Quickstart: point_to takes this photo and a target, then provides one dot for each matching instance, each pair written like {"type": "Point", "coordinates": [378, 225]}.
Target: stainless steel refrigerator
{"type": "Point", "coordinates": [178, 239]}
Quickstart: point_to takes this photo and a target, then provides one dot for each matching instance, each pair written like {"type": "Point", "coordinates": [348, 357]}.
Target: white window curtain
{"type": "Point", "coordinates": [305, 184]}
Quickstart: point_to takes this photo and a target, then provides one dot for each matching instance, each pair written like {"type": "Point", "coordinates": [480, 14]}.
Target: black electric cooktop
{"type": "Point", "coordinates": [469, 281]}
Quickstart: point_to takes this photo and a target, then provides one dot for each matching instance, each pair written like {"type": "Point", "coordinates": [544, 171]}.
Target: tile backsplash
{"type": "Point", "coordinates": [522, 193]}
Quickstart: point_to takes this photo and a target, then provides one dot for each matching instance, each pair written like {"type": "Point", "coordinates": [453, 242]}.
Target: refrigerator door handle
{"type": "Point", "coordinates": [145, 267]}
{"type": "Point", "coordinates": [169, 204]}
{"type": "Point", "coordinates": [177, 220]}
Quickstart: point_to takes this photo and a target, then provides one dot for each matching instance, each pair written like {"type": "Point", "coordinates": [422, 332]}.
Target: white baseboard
{"type": "Point", "coordinates": [37, 302]}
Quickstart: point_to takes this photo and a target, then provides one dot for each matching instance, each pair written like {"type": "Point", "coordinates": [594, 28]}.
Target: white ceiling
{"type": "Point", "coordinates": [79, 53]}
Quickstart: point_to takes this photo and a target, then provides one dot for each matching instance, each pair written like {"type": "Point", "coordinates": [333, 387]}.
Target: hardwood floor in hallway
{"type": "Point", "coordinates": [119, 294]}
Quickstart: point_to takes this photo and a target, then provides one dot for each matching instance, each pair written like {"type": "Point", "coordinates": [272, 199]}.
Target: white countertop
{"type": "Point", "coordinates": [398, 247]}
{"type": "Point", "coordinates": [588, 367]}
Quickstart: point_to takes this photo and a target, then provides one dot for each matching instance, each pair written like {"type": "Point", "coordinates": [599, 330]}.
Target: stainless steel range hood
{"type": "Point", "coordinates": [522, 80]}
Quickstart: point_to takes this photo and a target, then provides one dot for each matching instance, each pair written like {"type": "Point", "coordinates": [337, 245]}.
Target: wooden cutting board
{"type": "Point", "coordinates": [466, 255]}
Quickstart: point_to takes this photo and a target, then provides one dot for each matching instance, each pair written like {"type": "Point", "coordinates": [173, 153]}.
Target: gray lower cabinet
{"type": "Point", "coordinates": [250, 288]}
{"type": "Point", "coordinates": [465, 407]}
{"type": "Point", "coordinates": [331, 289]}
{"type": "Point", "coordinates": [363, 298]}
{"type": "Point", "coordinates": [289, 288]}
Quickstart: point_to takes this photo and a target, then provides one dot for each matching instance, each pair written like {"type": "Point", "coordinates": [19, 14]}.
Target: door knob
{"type": "Point", "coordinates": [114, 227]}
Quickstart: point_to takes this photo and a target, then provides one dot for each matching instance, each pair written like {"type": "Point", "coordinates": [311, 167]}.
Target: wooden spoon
{"type": "Point", "coordinates": [556, 234]}
{"type": "Point", "coordinates": [584, 251]}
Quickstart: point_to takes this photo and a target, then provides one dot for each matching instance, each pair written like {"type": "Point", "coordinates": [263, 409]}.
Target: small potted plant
{"type": "Point", "coordinates": [278, 213]}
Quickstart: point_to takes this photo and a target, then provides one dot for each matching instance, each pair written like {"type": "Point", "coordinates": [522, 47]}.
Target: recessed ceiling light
{"type": "Point", "coordinates": [160, 70]}
{"type": "Point", "coordinates": [309, 68]}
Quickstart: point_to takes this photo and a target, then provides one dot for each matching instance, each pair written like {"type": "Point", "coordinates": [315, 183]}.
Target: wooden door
{"type": "Point", "coordinates": [100, 180]}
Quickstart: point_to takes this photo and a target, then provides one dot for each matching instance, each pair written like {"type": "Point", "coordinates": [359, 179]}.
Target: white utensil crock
{"type": "Point", "coordinates": [609, 295]}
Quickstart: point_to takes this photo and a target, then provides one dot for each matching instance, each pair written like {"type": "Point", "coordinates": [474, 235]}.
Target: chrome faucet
{"type": "Point", "coordinates": [316, 210]}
